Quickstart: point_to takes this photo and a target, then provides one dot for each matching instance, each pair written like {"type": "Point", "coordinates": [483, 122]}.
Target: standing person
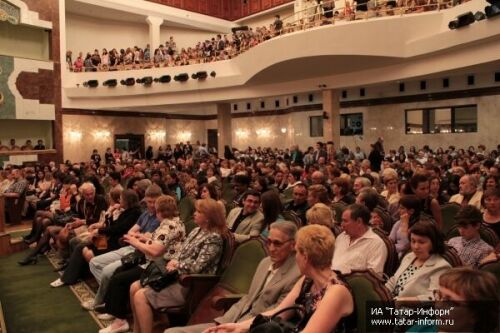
{"type": "Point", "coordinates": [277, 25]}
{"type": "Point", "coordinates": [376, 155]}
{"type": "Point", "coordinates": [108, 156]}
{"type": "Point", "coordinates": [95, 157]}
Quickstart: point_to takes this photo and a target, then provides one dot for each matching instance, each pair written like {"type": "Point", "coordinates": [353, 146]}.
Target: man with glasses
{"type": "Point", "coordinates": [274, 278]}
{"type": "Point", "coordinates": [247, 221]}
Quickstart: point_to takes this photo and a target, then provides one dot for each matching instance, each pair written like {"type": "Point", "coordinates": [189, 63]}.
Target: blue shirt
{"type": "Point", "coordinates": [147, 222]}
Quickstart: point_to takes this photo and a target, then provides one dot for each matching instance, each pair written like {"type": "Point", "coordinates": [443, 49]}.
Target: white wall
{"type": "Point", "coordinates": [84, 34]}
{"type": "Point", "coordinates": [24, 41]}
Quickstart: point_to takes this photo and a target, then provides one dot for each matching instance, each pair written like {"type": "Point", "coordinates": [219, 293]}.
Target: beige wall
{"type": "Point", "coordinates": [388, 121]}
{"type": "Point", "coordinates": [84, 133]}
{"type": "Point", "coordinates": [23, 41]}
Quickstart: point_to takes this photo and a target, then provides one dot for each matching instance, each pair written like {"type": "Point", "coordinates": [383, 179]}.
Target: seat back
{"type": "Point", "coordinates": [14, 209]}
{"type": "Point", "coordinates": [186, 212]}
{"type": "Point", "coordinates": [337, 209]}
{"type": "Point", "coordinates": [452, 257]}
{"type": "Point", "coordinates": [486, 234]}
{"type": "Point", "coordinates": [236, 279]}
{"type": "Point", "coordinates": [494, 268]}
{"type": "Point", "coordinates": [366, 287]}
{"type": "Point", "coordinates": [392, 261]}
{"type": "Point", "coordinates": [291, 216]}
{"type": "Point", "coordinates": [448, 212]}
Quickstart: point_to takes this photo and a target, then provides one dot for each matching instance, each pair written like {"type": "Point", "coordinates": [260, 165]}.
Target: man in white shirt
{"type": "Point", "coordinates": [358, 247]}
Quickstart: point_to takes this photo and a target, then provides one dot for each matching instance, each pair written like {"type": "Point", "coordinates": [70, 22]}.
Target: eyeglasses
{"type": "Point", "coordinates": [276, 243]}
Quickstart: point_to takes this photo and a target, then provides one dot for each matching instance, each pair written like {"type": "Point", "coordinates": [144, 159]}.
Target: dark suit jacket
{"type": "Point", "coordinates": [257, 300]}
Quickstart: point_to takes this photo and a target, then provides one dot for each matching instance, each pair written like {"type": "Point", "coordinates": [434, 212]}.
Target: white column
{"type": "Point", "coordinates": [154, 32]}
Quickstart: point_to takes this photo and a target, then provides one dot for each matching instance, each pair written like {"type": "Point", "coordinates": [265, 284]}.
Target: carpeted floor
{"type": "Point", "coordinates": [30, 305]}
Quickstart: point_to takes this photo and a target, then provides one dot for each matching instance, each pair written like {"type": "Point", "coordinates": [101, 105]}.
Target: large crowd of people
{"type": "Point", "coordinates": [324, 212]}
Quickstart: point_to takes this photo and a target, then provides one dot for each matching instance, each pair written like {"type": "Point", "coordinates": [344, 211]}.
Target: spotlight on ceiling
{"type": "Point", "coordinates": [181, 77]}
{"type": "Point", "coordinates": [493, 10]}
{"type": "Point", "coordinates": [91, 84]}
{"type": "Point", "coordinates": [147, 80]}
{"type": "Point", "coordinates": [479, 16]}
{"type": "Point", "coordinates": [213, 74]}
{"type": "Point", "coordinates": [163, 79]}
{"type": "Point", "coordinates": [110, 83]}
{"type": "Point", "coordinates": [128, 82]}
{"type": "Point", "coordinates": [462, 21]}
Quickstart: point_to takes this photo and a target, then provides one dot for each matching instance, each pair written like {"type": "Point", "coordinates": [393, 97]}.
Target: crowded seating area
{"type": "Point", "coordinates": [224, 47]}
{"type": "Point", "coordinates": [184, 240]}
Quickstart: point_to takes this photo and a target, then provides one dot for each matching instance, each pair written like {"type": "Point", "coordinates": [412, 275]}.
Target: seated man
{"type": "Point", "coordinates": [469, 245]}
{"type": "Point", "coordinates": [468, 193]}
{"type": "Point", "coordinates": [17, 188]}
{"type": "Point", "coordinates": [272, 281]}
{"type": "Point", "coordinates": [39, 145]}
{"type": "Point", "coordinates": [247, 221]}
{"type": "Point", "coordinates": [358, 247]}
{"type": "Point", "coordinates": [299, 203]}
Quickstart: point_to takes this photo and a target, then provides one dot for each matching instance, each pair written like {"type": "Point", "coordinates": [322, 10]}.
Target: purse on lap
{"type": "Point", "coordinates": [133, 259]}
{"type": "Point", "coordinates": [156, 275]}
{"type": "Point", "coordinates": [274, 324]}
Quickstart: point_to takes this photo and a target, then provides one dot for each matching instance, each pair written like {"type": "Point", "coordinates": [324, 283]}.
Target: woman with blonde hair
{"type": "Point", "coordinates": [200, 254]}
{"type": "Point", "coordinates": [320, 214]}
{"type": "Point", "coordinates": [326, 298]}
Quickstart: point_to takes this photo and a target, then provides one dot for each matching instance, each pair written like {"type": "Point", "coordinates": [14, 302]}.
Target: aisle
{"type": "Point", "coordinates": [30, 305]}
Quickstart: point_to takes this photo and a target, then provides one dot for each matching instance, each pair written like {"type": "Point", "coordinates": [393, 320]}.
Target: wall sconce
{"type": "Point", "coordinates": [157, 134]}
{"type": "Point", "coordinates": [241, 133]}
{"type": "Point", "coordinates": [99, 135]}
{"type": "Point", "coordinates": [263, 132]}
{"type": "Point", "coordinates": [283, 130]}
{"type": "Point", "coordinates": [75, 135]}
{"type": "Point", "coordinates": [390, 128]}
{"type": "Point", "coordinates": [373, 128]}
{"type": "Point", "coordinates": [184, 136]}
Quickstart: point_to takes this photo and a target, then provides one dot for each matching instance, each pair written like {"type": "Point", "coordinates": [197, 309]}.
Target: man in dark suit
{"type": "Point", "coordinates": [274, 278]}
{"type": "Point", "coordinates": [319, 152]}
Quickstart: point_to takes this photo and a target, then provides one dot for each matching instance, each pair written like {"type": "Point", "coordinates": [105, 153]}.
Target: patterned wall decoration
{"type": "Point", "coordinates": [225, 9]}
{"type": "Point", "coordinates": [9, 12]}
{"type": "Point", "coordinates": [7, 101]}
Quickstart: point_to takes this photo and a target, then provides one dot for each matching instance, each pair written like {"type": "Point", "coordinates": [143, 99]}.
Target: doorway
{"type": "Point", "coordinates": [213, 139]}
{"type": "Point", "coordinates": [132, 143]}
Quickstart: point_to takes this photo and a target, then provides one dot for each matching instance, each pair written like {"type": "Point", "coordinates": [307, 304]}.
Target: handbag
{"type": "Point", "coordinates": [61, 218]}
{"type": "Point", "coordinates": [274, 323]}
{"type": "Point", "coordinates": [133, 259]}
{"type": "Point", "coordinates": [156, 275]}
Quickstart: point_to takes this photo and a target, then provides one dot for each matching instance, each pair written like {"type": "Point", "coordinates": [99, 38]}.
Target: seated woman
{"type": "Point", "coordinates": [491, 215]}
{"type": "Point", "coordinates": [409, 212]}
{"type": "Point", "coordinates": [272, 208]}
{"type": "Point", "coordinates": [44, 218]}
{"type": "Point", "coordinates": [420, 186]}
{"type": "Point", "coordinates": [200, 253]}
{"type": "Point", "coordinates": [326, 298]}
{"type": "Point", "coordinates": [320, 214]}
{"type": "Point", "coordinates": [80, 257]}
{"type": "Point", "coordinates": [418, 274]}
{"type": "Point", "coordinates": [474, 297]}
{"type": "Point", "coordinates": [165, 241]}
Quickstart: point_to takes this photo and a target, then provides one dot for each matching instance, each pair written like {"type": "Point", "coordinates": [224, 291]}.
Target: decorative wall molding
{"type": "Point", "coordinates": [9, 12]}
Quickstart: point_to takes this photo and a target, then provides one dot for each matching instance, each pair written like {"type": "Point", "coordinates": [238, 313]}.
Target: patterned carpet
{"type": "Point", "coordinates": [82, 290]}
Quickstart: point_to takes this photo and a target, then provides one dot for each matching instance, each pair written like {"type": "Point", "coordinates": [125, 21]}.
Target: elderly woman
{"type": "Point", "coordinates": [200, 254]}
{"type": "Point", "coordinates": [473, 294]}
{"type": "Point", "coordinates": [84, 251]}
{"type": "Point", "coordinates": [324, 295]}
{"type": "Point", "coordinates": [391, 193]}
{"type": "Point", "coordinates": [418, 274]}
{"type": "Point", "coordinates": [320, 214]}
{"type": "Point", "coordinates": [166, 241]}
